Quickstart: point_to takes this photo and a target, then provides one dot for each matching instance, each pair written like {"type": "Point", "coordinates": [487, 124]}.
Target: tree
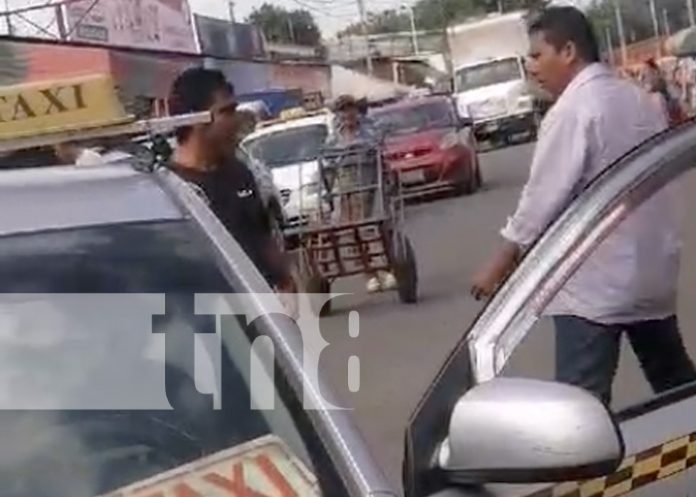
{"type": "Point", "coordinates": [637, 18]}
{"type": "Point", "coordinates": [435, 14]}
{"type": "Point", "coordinates": [282, 26]}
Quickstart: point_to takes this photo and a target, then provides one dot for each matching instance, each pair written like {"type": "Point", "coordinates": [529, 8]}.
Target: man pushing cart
{"type": "Point", "coordinates": [359, 226]}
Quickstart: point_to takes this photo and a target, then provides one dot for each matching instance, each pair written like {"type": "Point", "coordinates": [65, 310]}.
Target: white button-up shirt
{"type": "Point", "coordinates": [632, 275]}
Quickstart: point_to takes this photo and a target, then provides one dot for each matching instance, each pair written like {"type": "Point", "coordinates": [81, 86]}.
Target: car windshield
{"type": "Point", "coordinates": [493, 73]}
{"type": "Point", "coordinates": [431, 115]}
{"type": "Point", "coordinates": [100, 387]}
{"type": "Point", "coordinates": [288, 146]}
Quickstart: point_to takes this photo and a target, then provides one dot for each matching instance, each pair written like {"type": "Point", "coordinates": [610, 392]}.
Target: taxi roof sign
{"type": "Point", "coordinates": [86, 108]}
{"type": "Point", "coordinates": [48, 107]}
{"type": "Point", "coordinates": [261, 467]}
{"type": "Point", "coordinates": [293, 114]}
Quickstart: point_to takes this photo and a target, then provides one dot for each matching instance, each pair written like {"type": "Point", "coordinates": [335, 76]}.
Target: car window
{"type": "Point", "coordinates": [85, 388]}
{"type": "Point", "coordinates": [288, 146]}
{"type": "Point", "coordinates": [400, 120]}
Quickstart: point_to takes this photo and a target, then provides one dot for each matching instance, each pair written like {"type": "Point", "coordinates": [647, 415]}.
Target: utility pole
{"type": "Point", "coordinates": [622, 34]}
{"type": "Point", "coordinates": [363, 23]}
{"type": "Point", "coordinates": [610, 48]}
{"type": "Point", "coordinates": [291, 31]}
{"type": "Point", "coordinates": [230, 7]}
{"type": "Point", "coordinates": [500, 6]}
{"type": "Point", "coordinates": [414, 34]}
{"type": "Point", "coordinates": [656, 27]}
{"type": "Point", "coordinates": [690, 10]}
{"type": "Point", "coordinates": [447, 49]}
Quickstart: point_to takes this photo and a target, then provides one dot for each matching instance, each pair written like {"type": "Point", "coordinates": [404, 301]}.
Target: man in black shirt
{"type": "Point", "coordinates": [205, 156]}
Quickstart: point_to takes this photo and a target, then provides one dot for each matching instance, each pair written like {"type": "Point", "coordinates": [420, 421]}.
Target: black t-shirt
{"type": "Point", "coordinates": [233, 196]}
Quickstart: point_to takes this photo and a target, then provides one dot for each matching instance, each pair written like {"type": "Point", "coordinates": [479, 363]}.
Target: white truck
{"type": "Point", "coordinates": [490, 79]}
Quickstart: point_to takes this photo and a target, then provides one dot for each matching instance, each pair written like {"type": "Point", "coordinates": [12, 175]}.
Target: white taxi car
{"type": "Point", "coordinates": [111, 282]}
{"type": "Point", "coordinates": [290, 149]}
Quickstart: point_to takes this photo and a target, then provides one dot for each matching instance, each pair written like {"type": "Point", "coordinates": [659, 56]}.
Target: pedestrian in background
{"type": "Point", "coordinates": [628, 285]}
{"type": "Point", "coordinates": [205, 157]}
{"type": "Point", "coordinates": [659, 89]}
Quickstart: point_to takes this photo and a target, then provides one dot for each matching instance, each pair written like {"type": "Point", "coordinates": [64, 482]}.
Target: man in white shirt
{"type": "Point", "coordinates": [629, 283]}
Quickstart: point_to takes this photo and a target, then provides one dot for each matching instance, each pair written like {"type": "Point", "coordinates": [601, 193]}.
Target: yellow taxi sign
{"type": "Point", "coordinates": [261, 467]}
{"type": "Point", "coordinates": [48, 107]}
{"type": "Point", "coordinates": [293, 113]}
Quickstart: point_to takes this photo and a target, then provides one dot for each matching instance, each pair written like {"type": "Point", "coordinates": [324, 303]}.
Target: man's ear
{"type": "Point", "coordinates": [569, 52]}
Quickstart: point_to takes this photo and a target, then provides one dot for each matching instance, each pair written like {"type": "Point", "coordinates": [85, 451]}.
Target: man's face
{"type": "Point", "coordinates": [222, 134]}
{"type": "Point", "coordinates": [552, 68]}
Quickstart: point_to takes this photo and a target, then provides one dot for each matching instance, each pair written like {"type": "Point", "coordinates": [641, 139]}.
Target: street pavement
{"type": "Point", "coordinates": [401, 347]}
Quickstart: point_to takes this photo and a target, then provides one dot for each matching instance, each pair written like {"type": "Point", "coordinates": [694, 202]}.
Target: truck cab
{"type": "Point", "coordinates": [491, 83]}
{"type": "Point", "coordinates": [497, 95]}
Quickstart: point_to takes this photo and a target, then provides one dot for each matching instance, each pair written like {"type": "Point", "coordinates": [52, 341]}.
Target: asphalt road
{"type": "Point", "coordinates": [401, 347]}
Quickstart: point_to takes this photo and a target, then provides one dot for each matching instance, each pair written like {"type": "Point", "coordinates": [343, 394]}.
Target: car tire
{"type": "Point", "coordinates": [478, 178]}
{"type": "Point", "coordinates": [469, 184]}
{"type": "Point", "coordinates": [318, 285]}
{"type": "Point", "coordinates": [406, 270]}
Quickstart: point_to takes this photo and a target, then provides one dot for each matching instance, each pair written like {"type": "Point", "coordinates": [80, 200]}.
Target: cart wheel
{"type": "Point", "coordinates": [406, 272]}
{"type": "Point", "coordinates": [315, 284]}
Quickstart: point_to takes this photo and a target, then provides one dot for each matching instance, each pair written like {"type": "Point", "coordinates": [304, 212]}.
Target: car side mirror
{"type": "Point", "coordinates": [466, 122]}
{"type": "Point", "coordinates": [527, 431]}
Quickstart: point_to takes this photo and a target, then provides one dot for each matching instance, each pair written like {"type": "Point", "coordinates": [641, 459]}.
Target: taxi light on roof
{"type": "Point", "coordinates": [56, 106]}
{"type": "Point", "coordinates": [291, 115]}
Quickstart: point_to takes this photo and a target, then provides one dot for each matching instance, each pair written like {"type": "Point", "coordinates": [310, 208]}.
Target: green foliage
{"type": "Point", "coordinates": [286, 26]}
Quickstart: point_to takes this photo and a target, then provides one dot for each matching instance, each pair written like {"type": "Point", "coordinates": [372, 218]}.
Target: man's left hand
{"type": "Point", "coordinates": [486, 281]}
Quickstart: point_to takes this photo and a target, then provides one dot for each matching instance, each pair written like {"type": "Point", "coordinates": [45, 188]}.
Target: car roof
{"type": "Point", "coordinates": [290, 124]}
{"type": "Point", "coordinates": [414, 102]}
{"type": "Point", "coordinates": [65, 197]}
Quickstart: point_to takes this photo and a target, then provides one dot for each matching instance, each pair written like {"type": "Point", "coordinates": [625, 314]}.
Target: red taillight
{"type": "Point", "coordinates": [409, 154]}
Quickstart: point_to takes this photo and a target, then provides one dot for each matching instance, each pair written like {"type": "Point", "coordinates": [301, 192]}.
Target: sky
{"type": "Point", "coordinates": [331, 15]}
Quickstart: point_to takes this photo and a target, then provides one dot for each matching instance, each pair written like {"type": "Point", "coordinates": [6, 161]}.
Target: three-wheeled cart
{"type": "Point", "coordinates": [358, 227]}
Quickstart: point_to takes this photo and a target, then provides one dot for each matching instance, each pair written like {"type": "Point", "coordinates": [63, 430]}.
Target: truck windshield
{"type": "Point", "coordinates": [289, 146]}
{"type": "Point", "coordinates": [92, 399]}
{"type": "Point", "coordinates": [492, 73]}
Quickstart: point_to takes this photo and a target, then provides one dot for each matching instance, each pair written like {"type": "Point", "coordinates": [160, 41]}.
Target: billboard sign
{"type": "Point", "coordinates": [219, 38]}
{"type": "Point", "coordinates": [147, 24]}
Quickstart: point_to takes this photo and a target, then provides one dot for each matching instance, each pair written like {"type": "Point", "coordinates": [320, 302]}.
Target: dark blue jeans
{"type": "Point", "coordinates": [587, 353]}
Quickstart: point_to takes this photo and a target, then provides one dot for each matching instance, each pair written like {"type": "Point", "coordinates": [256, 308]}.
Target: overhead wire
{"type": "Point", "coordinates": [82, 17]}
{"type": "Point", "coordinates": [31, 8]}
{"type": "Point", "coordinates": [39, 28]}
{"type": "Point", "coordinates": [321, 11]}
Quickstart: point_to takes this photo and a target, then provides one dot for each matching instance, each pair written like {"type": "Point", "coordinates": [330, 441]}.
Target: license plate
{"type": "Point", "coordinates": [416, 176]}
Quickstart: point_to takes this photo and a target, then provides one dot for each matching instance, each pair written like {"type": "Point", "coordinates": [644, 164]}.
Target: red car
{"type": "Point", "coordinates": [430, 145]}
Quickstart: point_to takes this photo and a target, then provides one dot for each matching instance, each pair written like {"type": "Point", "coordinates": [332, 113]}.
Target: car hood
{"type": "Point", "coordinates": [414, 141]}
{"type": "Point", "coordinates": [288, 177]}
{"type": "Point", "coordinates": [491, 100]}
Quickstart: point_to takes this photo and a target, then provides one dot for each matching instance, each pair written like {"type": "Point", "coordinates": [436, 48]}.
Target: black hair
{"type": "Point", "coordinates": [561, 25]}
{"type": "Point", "coordinates": [194, 91]}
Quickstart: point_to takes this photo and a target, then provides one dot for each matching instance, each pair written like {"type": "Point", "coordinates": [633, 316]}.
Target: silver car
{"type": "Point", "coordinates": [149, 239]}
